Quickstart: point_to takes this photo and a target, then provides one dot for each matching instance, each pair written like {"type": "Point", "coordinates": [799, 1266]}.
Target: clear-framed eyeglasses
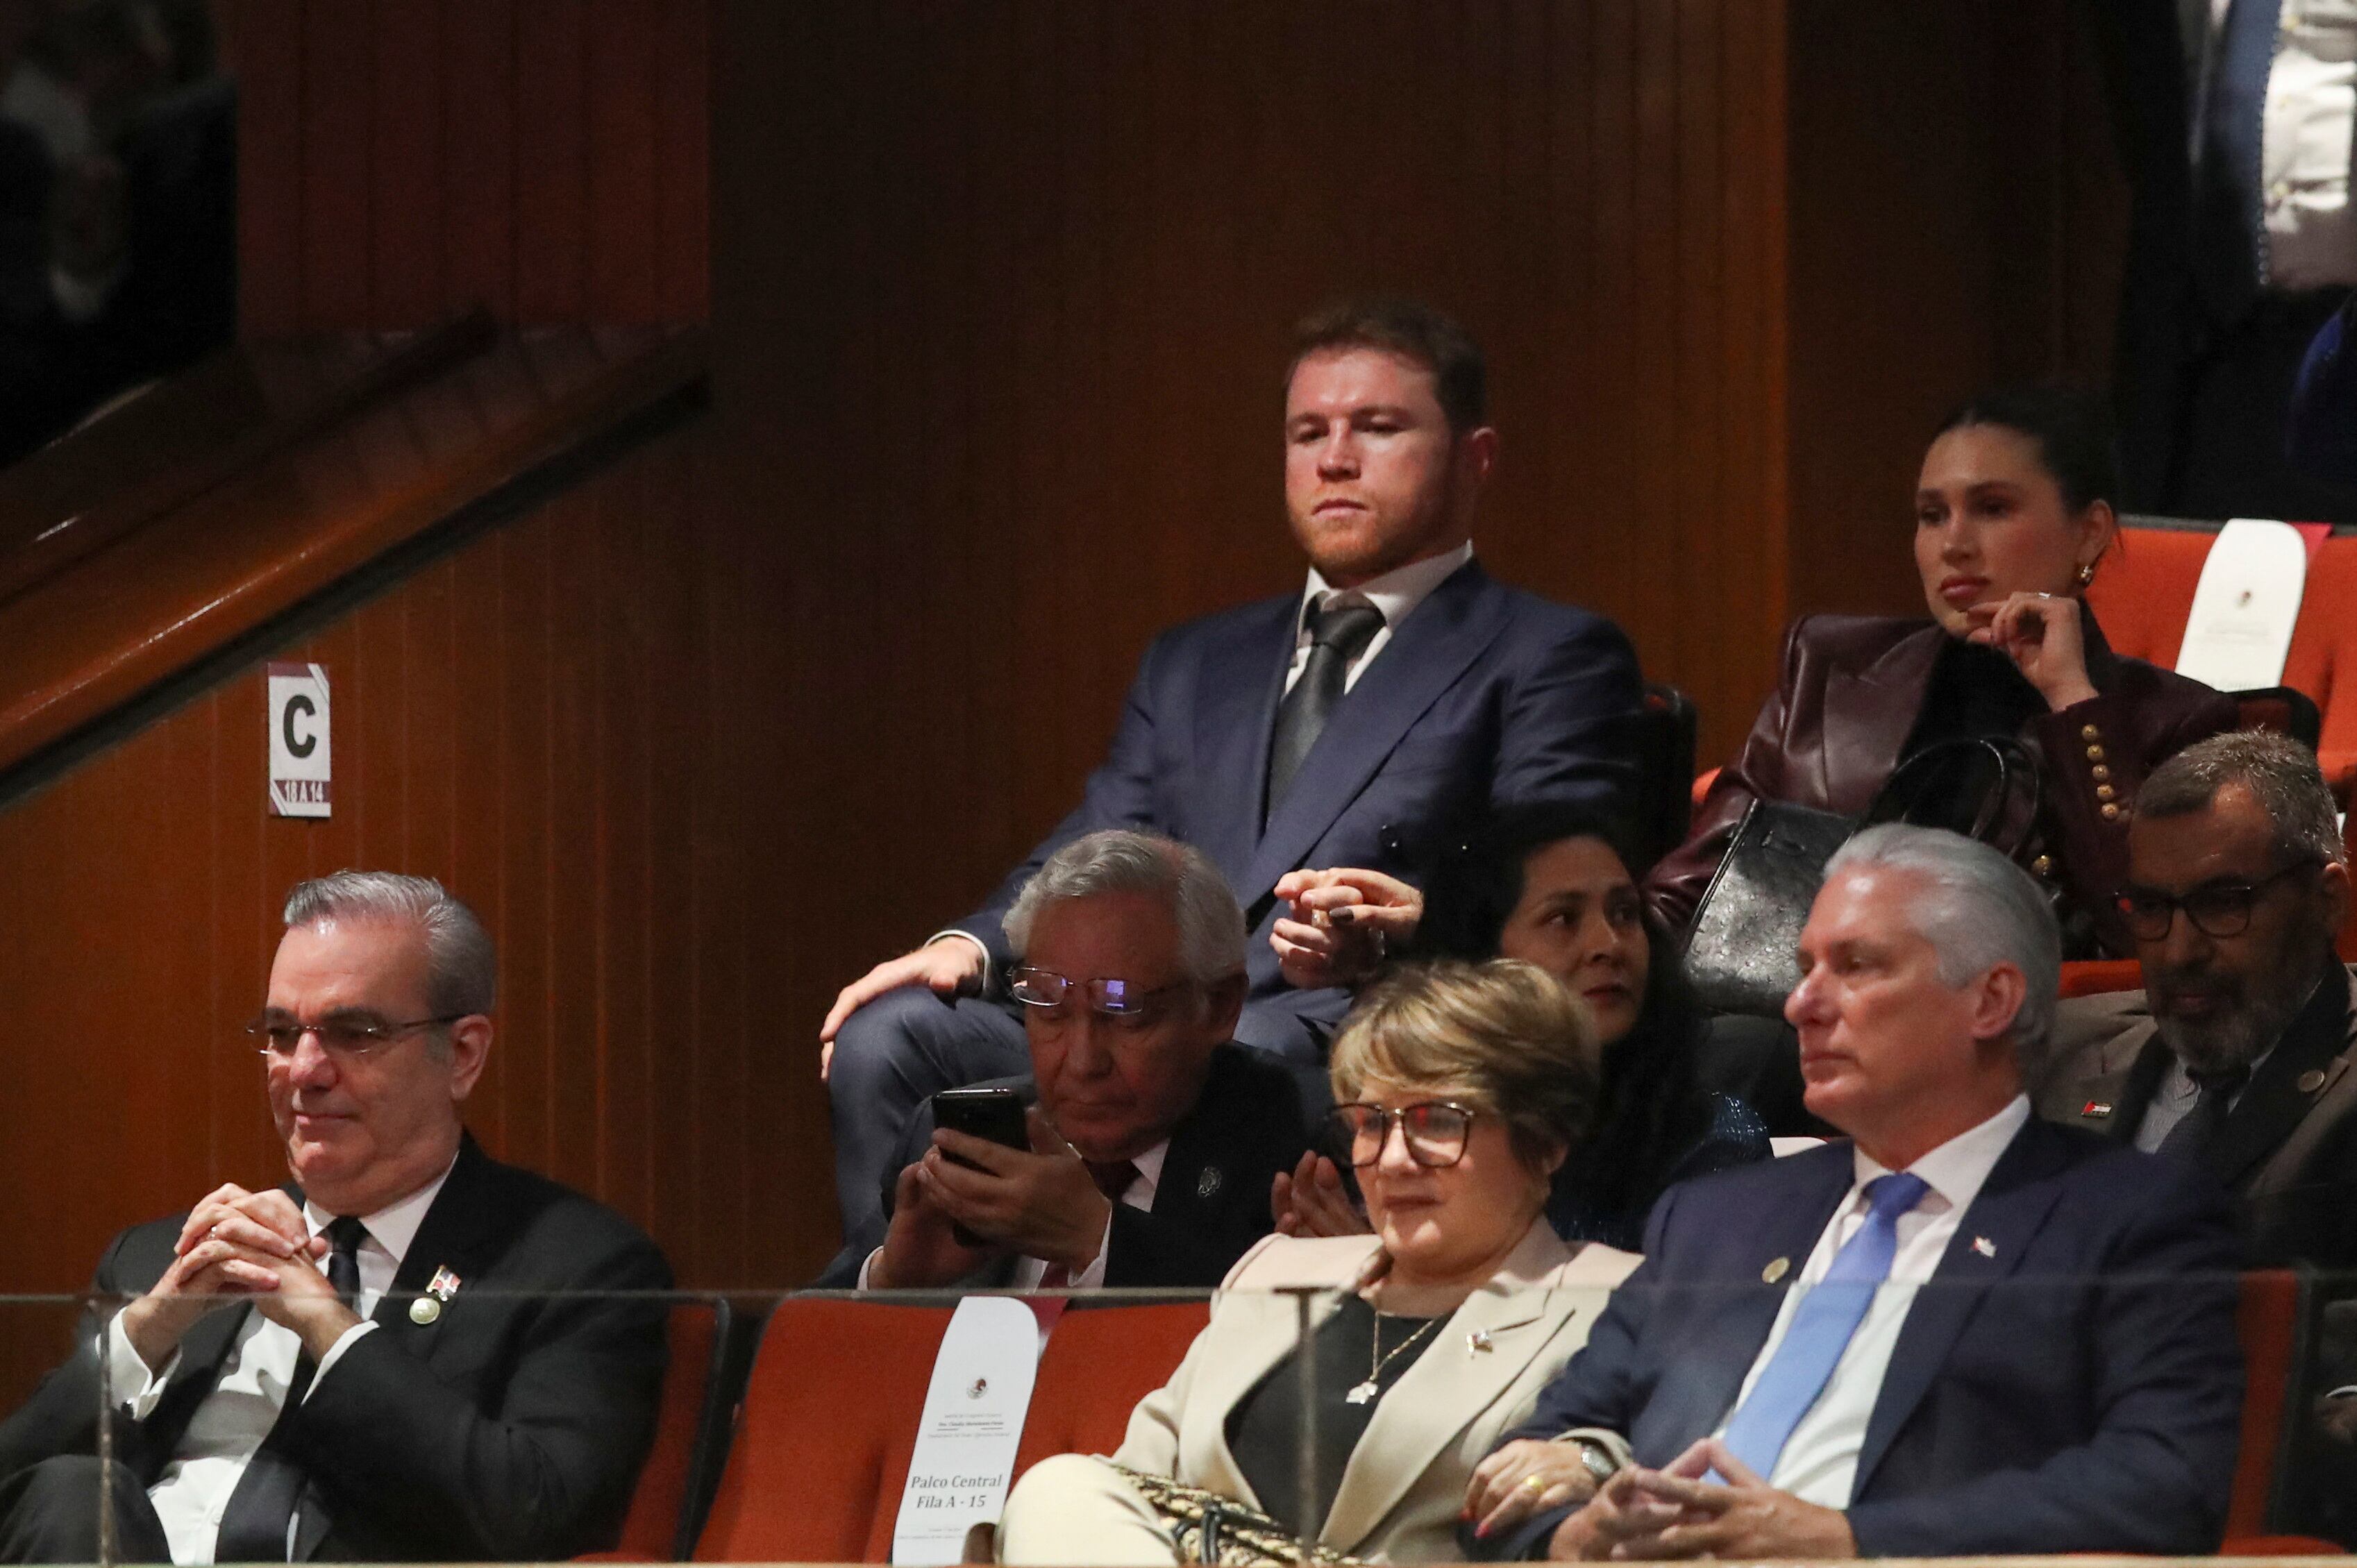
{"type": "Point", "coordinates": [345, 1036]}
{"type": "Point", "coordinates": [1105, 995]}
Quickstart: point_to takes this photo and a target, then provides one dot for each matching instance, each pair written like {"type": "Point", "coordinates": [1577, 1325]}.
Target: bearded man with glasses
{"type": "Point", "coordinates": [410, 1352]}
{"type": "Point", "coordinates": [1153, 1138]}
{"type": "Point", "coordinates": [2236, 1055]}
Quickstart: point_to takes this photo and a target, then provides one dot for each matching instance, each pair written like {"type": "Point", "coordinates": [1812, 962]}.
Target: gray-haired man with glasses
{"type": "Point", "coordinates": [1153, 1138]}
{"type": "Point", "coordinates": [410, 1351]}
{"type": "Point", "coordinates": [2236, 1055]}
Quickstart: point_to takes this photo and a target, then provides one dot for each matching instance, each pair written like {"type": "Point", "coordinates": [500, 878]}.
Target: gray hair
{"type": "Point", "coordinates": [2281, 774]}
{"type": "Point", "coordinates": [461, 969]}
{"type": "Point", "coordinates": [1118, 860]}
{"type": "Point", "coordinates": [1980, 911]}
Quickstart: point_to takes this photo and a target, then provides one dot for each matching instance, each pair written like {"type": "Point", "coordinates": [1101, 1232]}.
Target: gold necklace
{"type": "Point", "coordinates": [1361, 1393]}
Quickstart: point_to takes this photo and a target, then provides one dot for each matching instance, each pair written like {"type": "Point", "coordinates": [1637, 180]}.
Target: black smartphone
{"type": "Point", "coordinates": [995, 1115]}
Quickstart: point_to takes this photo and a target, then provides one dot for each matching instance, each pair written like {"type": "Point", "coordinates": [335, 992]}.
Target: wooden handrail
{"type": "Point", "coordinates": [366, 494]}
{"type": "Point", "coordinates": [178, 439]}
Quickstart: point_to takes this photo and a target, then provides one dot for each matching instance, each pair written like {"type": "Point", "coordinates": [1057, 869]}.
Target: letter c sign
{"type": "Point", "coordinates": [299, 777]}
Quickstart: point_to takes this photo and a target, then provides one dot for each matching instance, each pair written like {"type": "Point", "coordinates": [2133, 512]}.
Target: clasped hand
{"type": "Point", "coordinates": [1675, 1512]}
{"type": "Point", "coordinates": [240, 1246]}
{"type": "Point", "coordinates": [2040, 632]}
{"type": "Point", "coordinates": [1041, 1205]}
{"type": "Point", "coordinates": [1342, 923]}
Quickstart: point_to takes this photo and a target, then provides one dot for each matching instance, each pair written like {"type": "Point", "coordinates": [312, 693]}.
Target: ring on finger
{"type": "Point", "coordinates": [1535, 1483]}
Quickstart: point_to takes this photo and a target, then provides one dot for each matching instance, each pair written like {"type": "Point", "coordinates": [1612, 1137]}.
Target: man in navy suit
{"type": "Point", "coordinates": [1351, 724]}
{"type": "Point", "coordinates": [2010, 1337]}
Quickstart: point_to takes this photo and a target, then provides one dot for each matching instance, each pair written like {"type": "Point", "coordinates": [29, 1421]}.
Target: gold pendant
{"type": "Point", "coordinates": [1363, 1392]}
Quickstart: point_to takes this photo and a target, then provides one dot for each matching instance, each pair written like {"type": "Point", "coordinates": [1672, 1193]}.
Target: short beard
{"type": "Point", "coordinates": [2239, 1033]}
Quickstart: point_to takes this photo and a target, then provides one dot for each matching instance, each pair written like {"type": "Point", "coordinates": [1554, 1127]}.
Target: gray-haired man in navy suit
{"type": "Point", "coordinates": [1349, 724]}
{"type": "Point", "coordinates": [1966, 1331]}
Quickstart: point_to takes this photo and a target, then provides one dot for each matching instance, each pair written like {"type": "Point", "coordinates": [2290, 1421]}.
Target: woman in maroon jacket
{"type": "Point", "coordinates": [2011, 519]}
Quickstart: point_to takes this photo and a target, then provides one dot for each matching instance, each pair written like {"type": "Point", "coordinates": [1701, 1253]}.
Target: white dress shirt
{"type": "Point", "coordinates": [194, 1488]}
{"type": "Point", "coordinates": [2304, 158]}
{"type": "Point", "coordinates": [1138, 1194]}
{"type": "Point", "coordinates": [1393, 595]}
{"type": "Point", "coordinates": [1819, 1462]}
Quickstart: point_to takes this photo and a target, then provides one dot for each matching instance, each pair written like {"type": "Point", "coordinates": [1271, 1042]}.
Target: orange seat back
{"type": "Point", "coordinates": [2094, 977]}
{"type": "Point", "coordinates": [2144, 591]}
{"type": "Point", "coordinates": [822, 1448]}
{"type": "Point", "coordinates": [659, 1503]}
{"type": "Point", "coordinates": [2267, 1320]}
{"type": "Point", "coordinates": [1099, 1363]}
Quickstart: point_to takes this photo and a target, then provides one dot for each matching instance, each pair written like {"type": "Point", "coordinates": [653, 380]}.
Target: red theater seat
{"type": "Point", "coordinates": [1099, 1363]}
{"type": "Point", "coordinates": [686, 1428]}
{"type": "Point", "coordinates": [2268, 1320]}
{"type": "Point", "coordinates": [822, 1449]}
{"type": "Point", "coordinates": [2145, 590]}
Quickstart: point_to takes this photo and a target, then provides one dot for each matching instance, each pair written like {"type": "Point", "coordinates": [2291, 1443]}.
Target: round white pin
{"type": "Point", "coordinates": [424, 1310]}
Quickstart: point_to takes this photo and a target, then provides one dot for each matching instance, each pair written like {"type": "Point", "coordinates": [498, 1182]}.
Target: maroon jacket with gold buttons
{"type": "Point", "coordinates": [1846, 701]}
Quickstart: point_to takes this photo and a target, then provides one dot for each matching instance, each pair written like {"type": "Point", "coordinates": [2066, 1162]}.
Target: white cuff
{"type": "Point", "coordinates": [1093, 1277]}
{"type": "Point", "coordinates": [335, 1353]}
{"type": "Point", "coordinates": [867, 1264]}
{"type": "Point", "coordinates": [979, 946]}
{"type": "Point", "coordinates": [125, 1371]}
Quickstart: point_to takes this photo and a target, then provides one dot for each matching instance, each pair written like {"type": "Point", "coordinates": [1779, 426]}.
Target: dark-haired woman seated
{"type": "Point", "coordinates": [1551, 885]}
{"type": "Point", "coordinates": [2012, 516]}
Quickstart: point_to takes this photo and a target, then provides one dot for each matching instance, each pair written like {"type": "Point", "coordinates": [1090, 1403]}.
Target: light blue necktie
{"type": "Point", "coordinates": [1821, 1327]}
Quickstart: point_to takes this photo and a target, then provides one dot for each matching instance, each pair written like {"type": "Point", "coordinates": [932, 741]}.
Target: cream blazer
{"type": "Point", "coordinates": [1406, 1481]}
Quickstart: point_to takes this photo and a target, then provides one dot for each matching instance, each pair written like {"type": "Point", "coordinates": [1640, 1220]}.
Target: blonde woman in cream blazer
{"type": "Point", "coordinates": [1461, 1246]}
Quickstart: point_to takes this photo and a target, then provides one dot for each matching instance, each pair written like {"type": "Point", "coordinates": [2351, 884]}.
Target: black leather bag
{"type": "Point", "coordinates": [1739, 953]}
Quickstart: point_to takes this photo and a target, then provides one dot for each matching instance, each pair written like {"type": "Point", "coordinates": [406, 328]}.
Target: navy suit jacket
{"type": "Point", "coordinates": [2074, 1386]}
{"type": "Point", "coordinates": [1484, 695]}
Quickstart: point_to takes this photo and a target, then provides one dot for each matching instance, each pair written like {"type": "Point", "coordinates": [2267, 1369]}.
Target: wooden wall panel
{"type": "Point", "coordinates": [402, 160]}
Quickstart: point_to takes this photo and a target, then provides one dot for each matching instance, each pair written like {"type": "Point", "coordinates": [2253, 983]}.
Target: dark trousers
{"type": "Point", "coordinates": [49, 1513]}
{"type": "Point", "coordinates": [2231, 457]}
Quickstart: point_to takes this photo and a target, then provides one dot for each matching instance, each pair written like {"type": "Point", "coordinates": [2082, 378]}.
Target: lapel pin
{"type": "Point", "coordinates": [1208, 1184]}
{"type": "Point", "coordinates": [426, 1308]}
{"type": "Point", "coordinates": [1984, 1247]}
{"type": "Point", "coordinates": [1776, 1269]}
{"type": "Point", "coordinates": [1477, 1340]}
{"type": "Point", "coordinates": [2311, 1081]}
{"type": "Point", "coordinates": [2097, 1107]}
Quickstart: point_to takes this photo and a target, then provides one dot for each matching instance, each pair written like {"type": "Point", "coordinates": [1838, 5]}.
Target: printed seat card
{"type": "Point", "coordinates": [964, 1458]}
{"type": "Point", "coordinates": [2245, 607]}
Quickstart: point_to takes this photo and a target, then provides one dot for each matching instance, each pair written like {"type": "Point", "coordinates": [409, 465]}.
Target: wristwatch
{"type": "Point", "coordinates": [1597, 1457]}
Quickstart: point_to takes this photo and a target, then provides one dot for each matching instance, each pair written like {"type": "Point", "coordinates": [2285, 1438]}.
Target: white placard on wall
{"type": "Point", "coordinates": [299, 775]}
{"type": "Point", "coordinates": [964, 1458]}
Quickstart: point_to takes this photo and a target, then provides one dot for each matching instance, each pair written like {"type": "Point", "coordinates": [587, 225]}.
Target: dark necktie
{"type": "Point", "coordinates": [2230, 143]}
{"type": "Point", "coordinates": [1113, 1178]}
{"type": "Point", "coordinates": [253, 1522]}
{"type": "Point", "coordinates": [1337, 635]}
{"type": "Point", "coordinates": [2197, 1129]}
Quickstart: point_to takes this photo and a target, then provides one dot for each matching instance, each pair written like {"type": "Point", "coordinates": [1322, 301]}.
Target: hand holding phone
{"type": "Point", "coordinates": [993, 1115]}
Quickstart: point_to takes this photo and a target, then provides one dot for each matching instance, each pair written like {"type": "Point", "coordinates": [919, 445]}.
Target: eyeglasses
{"type": "Point", "coordinates": [345, 1039]}
{"type": "Point", "coordinates": [1108, 998]}
{"type": "Point", "coordinates": [2216, 908]}
{"type": "Point", "coordinates": [1434, 1131]}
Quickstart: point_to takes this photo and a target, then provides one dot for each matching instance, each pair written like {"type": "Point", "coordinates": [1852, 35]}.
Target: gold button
{"type": "Point", "coordinates": [2089, 732]}
{"type": "Point", "coordinates": [1776, 1269]}
{"type": "Point", "coordinates": [2094, 754]}
{"type": "Point", "coordinates": [2043, 865]}
{"type": "Point", "coordinates": [2101, 772]}
{"type": "Point", "coordinates": [2111, 813]}
{"type": "Point", "coordinates": [2103, 791]}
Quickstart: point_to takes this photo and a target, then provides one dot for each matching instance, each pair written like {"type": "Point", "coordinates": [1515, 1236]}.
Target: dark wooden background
{"type": "Point", "coordinates": [998, 291]}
